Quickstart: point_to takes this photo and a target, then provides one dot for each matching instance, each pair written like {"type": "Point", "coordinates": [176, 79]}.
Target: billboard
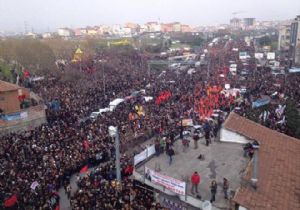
{"type": "Point", "coordinates": [259, 55]}
{"type": "Point", "coordinates": [144, 155]}
{"type": "Point", "coordinates": [174, 185]}
{"type": "Point", "coordinates": [270, 55]}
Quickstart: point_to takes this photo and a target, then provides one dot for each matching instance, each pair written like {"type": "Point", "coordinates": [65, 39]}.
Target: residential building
{"type": "Point", "coordinates": [176, 27]}
{"type": "Point", "coordinates": [9, 102]}
{"type": "Point", "coordinates": [143, 28]}
{"type": "Point", "coordinates": [65, 32]}
{"type": "Point", "coordinates": [271, 180]}
{"type": "Point", "coordinates": [186, 29]}
{"type": "Point", "coordinates": [248, 22]}
{"type": "Point", "coordinates": [92, 31]}
{"type": "Point", "coordinates": [47, 35]}
{"type": "Point", "coordinates": [295, 41]}
{"type": "Point", "coordinates": [77, 32]}
{"type": "Point", "coordinates": [167, 28]}
{"type": "Point", "coordinates": [125, 32]}
{"type": "Point", "coordinates": [31, 35]}
{"type": "Point", "coordinates": [133, 26]}
{"type": "Point", "coordinates": [235, 23]}
{"type": "Point", "coordinates": [105, 30]}
{"type": "Point", "coordinates": [284, 37]}
{"type": "Point", "coordinates": [83, 31]}
{"type": "Point", "coordinates": [116, 29]}
{"type": "Point", "coordinates": [153, 26]}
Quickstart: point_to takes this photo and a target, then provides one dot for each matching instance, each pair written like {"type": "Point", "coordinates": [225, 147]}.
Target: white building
{"type": "Point", "coordinates": [65, 32]}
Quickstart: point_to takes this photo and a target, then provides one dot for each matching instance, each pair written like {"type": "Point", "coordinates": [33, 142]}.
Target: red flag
{"type": "Point", "coordinates": [86, 145]}
{"type": "Point", "coordinates": [57, 207]}
{"type": "Point", "coordinates": [11, 201]}
{"type": "Point", "coordinates": [84, 169]}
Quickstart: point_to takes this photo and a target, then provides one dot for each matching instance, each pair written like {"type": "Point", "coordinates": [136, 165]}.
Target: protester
{"type": "Point", "coordinates": [196, 139]}
{"type": "Point", "coordinates": [225, 188]}
{"type": "Point", "coordinates": [213, 190]}
{"type": "Point", "coordinates": [170, 153]}
{"type": "Point", "coordinates": [35, 164]}
{"type": "Point", "coordinates": [195, 180]}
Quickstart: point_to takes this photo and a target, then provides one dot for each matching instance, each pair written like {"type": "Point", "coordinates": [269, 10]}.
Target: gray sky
{"type": "Point", "coordinates": [41, 14]}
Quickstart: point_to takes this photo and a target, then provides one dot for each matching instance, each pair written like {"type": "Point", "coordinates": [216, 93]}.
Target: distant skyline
{"type": "Point", "coordinates": [16, 15]}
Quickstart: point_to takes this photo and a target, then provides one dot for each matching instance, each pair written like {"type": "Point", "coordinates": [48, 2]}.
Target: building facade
{"type": "Point", "coordinates": [248, 22]}
{"type": "Point", "coordinates": [65, 32]}
{"type": "Point", "coordinates": [235, 23]}
{"type": "Point", "coordinates": [9, 102]}
{"type": "Point", "coordinates": [295, 41]}
{"type": "Point", "coordinates": [284, 37]}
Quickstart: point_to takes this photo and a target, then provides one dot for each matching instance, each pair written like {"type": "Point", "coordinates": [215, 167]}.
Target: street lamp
{"type": "Point", "coordinates": [113, 132]}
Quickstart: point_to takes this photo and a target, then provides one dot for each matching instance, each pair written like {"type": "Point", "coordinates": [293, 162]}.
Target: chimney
{"type": "Point", "coordinates": [254, 179]}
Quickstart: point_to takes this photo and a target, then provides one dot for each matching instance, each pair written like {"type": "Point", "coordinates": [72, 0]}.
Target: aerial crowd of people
{"type": "Point", "coordinates": [35, 164]}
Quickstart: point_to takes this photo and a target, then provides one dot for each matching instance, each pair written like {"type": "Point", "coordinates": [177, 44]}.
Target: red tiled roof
{"type": "Point", "coordinates": [5, 86]}
{"type": "Point", "coordinates": [278, 186]}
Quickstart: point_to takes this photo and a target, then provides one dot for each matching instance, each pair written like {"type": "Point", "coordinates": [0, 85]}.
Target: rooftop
{"type": "Point", "coordinates": [278, 167]}
{"type": "Point", "coordinates": [6, 86]}
{"type": "Point", "coordinates": [221, 160]}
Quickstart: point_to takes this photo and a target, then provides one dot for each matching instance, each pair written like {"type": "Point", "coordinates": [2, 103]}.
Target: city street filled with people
{"type": "Point", "coordinates": [35, 164]}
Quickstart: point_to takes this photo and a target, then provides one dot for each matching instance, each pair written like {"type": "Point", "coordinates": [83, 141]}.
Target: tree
{"type": "Point", "coordinates": [264, 41]}
{"type": "Point", "coordinates": [36, 56]}
{"type": "Point", "coordinates": [31, 54]}
{"type": "Point", "coordinates": [62, 49]}
{"type": "Point", "coordinates": [5, 72]}
{"type": "Point", "coordinates": [293, 119]}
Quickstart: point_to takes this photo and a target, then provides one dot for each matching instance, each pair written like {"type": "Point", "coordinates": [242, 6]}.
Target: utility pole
{"type": "Point", "coordinates": [117, 145]}
{"type": "Point", "coordinates": [103, 78]}
{"type": "Point", "coordinates": [114, 133]}
{"type": "Point", "coordinates": [208, 66]}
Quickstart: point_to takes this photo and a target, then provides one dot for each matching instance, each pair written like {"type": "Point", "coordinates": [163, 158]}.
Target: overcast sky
{"type": "Point", "coordinates": [43, 14]}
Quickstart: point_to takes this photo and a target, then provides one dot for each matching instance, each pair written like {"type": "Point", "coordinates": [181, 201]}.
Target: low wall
{"type": "Point", "coordinates": [184, 198]}
{"type": "Point", "coordinates": [36, 117]}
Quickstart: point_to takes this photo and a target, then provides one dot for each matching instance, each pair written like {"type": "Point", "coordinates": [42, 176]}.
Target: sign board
{"type": "Point", "coordinates": [174, 185]}
{"type": "Point", "coordinates": [187, 122]}
{"type": "Point", "coordinates": [270, 55]}
{"type": "Point", "coordinates": [259, 56]}
{"type": "Point", "coordinates": [234, 92]}
{"type": "Point", "coordinates": [23, 115]}
{"type": "Point", "coordinates": [227, 86]}
{"type": "Point", "coordinates": [144, 155]}
{"type": "Point", "coordinates": [294, 70]}
{"type": "Point", "coordinates": [276, 64]}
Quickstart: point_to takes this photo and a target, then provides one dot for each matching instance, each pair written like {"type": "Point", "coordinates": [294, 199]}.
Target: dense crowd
{"type": "Point", "coordinates": [36, 163]}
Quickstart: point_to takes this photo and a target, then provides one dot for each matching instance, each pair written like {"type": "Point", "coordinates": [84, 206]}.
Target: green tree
{"type": "Point", "coordinates": [293, 119]}
{"type": "Point", "coordinates": [35, 56]}
{"type": "Point", "coordinates": [264, 41]}
{"type": "Point", "coordinates": [5, 72]}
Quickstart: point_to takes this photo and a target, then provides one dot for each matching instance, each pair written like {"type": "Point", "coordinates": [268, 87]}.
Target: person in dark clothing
{"type": "Point", "coordinates": [171, 152]}
{"type": "Point", "coordinates": [196, 139]}
{"type": "Point", "coordinates": [213, 190]}
{"type": "Point", "coordinates": [207, 129]}
{"type": "Point", "coordinates": [225, 188]}
{"type": "Point", "coordinates": [157, 147]}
